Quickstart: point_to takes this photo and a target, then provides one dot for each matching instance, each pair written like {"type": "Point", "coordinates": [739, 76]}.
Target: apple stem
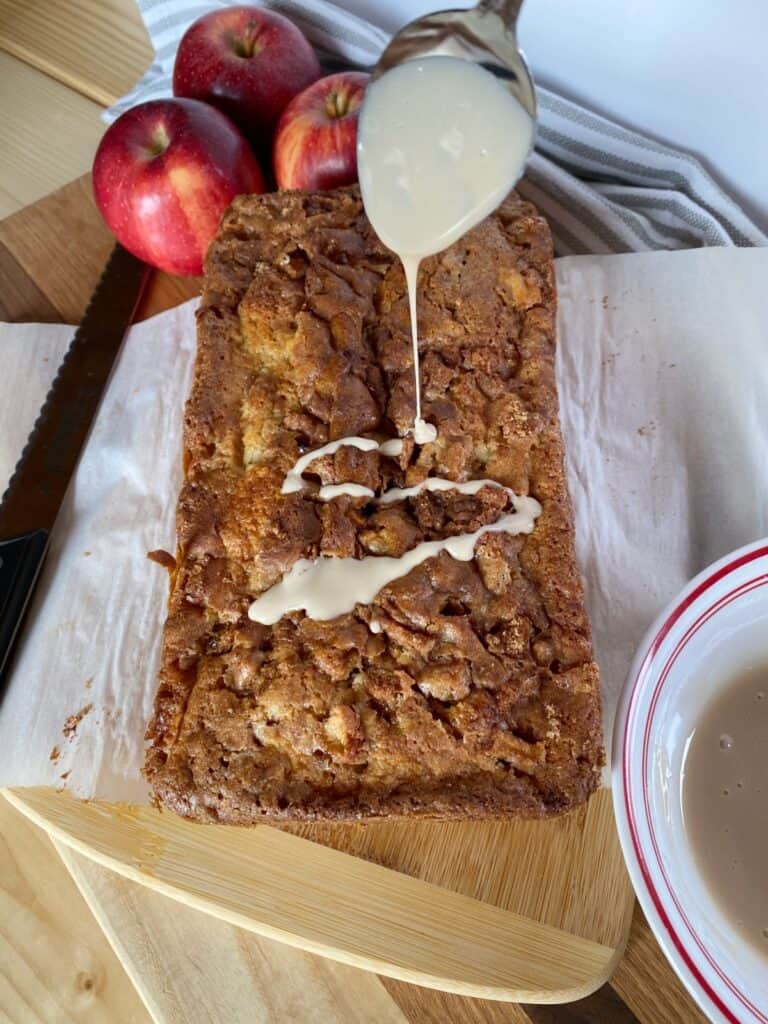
{"type": "Point", "coordinates": [159, 143]}
{"type": "Point", "coordinates": [247, 44]}
{"type": "Point", "coordinates": [335, 104]}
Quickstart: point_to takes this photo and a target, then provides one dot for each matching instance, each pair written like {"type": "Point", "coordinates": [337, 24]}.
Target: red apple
{"type": "Point", "coordinates": [248, 62]}
{"type": "Point", "coordinates": [163, 175]}
{"type": "Point", "coordinates": [316, 137]}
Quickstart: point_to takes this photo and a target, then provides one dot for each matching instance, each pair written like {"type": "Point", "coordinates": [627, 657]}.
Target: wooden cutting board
{"type": "Point", "coordinates": [528, 911]}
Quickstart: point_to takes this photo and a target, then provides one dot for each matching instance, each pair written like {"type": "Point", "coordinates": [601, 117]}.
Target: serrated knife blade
{"type": "Point", "coordinates": [37, 487]}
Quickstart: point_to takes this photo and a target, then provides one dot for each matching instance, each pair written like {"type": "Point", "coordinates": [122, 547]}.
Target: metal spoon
{"type": "Point", "coordinates": [484, 34]}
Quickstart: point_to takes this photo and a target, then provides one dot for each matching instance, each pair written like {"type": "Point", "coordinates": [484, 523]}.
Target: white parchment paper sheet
{"type": "Point", "coordinates": [664, 390]}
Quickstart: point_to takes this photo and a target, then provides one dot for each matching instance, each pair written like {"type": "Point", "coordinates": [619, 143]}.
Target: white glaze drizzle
{"type": "Point", "coordinates": [327, 587]}
{"type": "Point", "coordinates": [293, 481]}
{"type": "Point", "coordinates": [293, 478]}
{"type": "Point", "coordinates": [423, 432]}
{"type": "Point", "coordinates": [330, 491]}
{"type": "Point", "coordinates": [439, 483]}
{"type": "Point", "coordinates": [392, 447]}
{"type": "Point", "coordinates": [432, 483]}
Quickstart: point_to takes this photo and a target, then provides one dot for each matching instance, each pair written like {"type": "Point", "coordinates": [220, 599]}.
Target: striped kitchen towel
{"type": "Point", "coordinates": [602, 187]}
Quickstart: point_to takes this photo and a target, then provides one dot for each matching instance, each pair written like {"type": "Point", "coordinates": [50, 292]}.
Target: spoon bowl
{"type": "Point", "coordinates": [484, 34]}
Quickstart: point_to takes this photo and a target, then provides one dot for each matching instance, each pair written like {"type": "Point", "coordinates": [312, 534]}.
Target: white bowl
{"type": "Point", "coordinates": [718, 623]}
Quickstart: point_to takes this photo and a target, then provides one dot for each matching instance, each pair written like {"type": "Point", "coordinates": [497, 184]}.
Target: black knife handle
{"type": "Point", "coordinates": [21, 559]}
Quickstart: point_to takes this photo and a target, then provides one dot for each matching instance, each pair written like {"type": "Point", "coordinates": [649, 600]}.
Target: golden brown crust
{"type": "Point", "coordinates": [479, 695]}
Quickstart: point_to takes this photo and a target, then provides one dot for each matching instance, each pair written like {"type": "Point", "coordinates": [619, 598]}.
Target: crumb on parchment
{"type": "Point", "coordinates": [73, 721]}
{"type": "Point", "coordinates": [163, 558]}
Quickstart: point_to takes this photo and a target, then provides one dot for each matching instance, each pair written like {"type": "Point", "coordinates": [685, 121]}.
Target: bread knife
{"type": "Point", "coordinates": [37, 487]}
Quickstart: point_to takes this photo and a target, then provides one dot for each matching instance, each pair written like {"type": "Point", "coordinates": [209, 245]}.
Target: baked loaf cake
{"type": "Point", "coordinates": [475, 693]}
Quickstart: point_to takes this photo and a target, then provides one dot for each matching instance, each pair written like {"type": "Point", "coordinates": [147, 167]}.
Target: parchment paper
{"type": "Point", "coordinates": [663, 373]}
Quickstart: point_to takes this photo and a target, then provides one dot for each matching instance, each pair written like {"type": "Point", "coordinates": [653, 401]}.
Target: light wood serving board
{"type": "Point", "coordinates": [519, 911]}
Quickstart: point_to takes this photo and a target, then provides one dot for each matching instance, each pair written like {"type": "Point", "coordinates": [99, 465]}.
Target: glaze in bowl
{"type": "Point", "coordinates": [715, 628]}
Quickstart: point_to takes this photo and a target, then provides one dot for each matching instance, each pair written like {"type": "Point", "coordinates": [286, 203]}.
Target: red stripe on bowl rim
{"type": "Point", "coordinates": [653, 649]}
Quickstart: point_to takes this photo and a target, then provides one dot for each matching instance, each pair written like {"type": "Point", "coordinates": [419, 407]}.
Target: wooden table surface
{"type": "Point", "coordinates": [62, 61]}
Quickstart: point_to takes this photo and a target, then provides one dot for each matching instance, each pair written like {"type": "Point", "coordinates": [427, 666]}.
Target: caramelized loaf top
{"type": "Point", "coordinates": [479, 695]}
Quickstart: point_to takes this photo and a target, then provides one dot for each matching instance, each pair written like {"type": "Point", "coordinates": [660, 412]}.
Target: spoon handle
{"type": "Point", "coordinates": [508, 10]}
